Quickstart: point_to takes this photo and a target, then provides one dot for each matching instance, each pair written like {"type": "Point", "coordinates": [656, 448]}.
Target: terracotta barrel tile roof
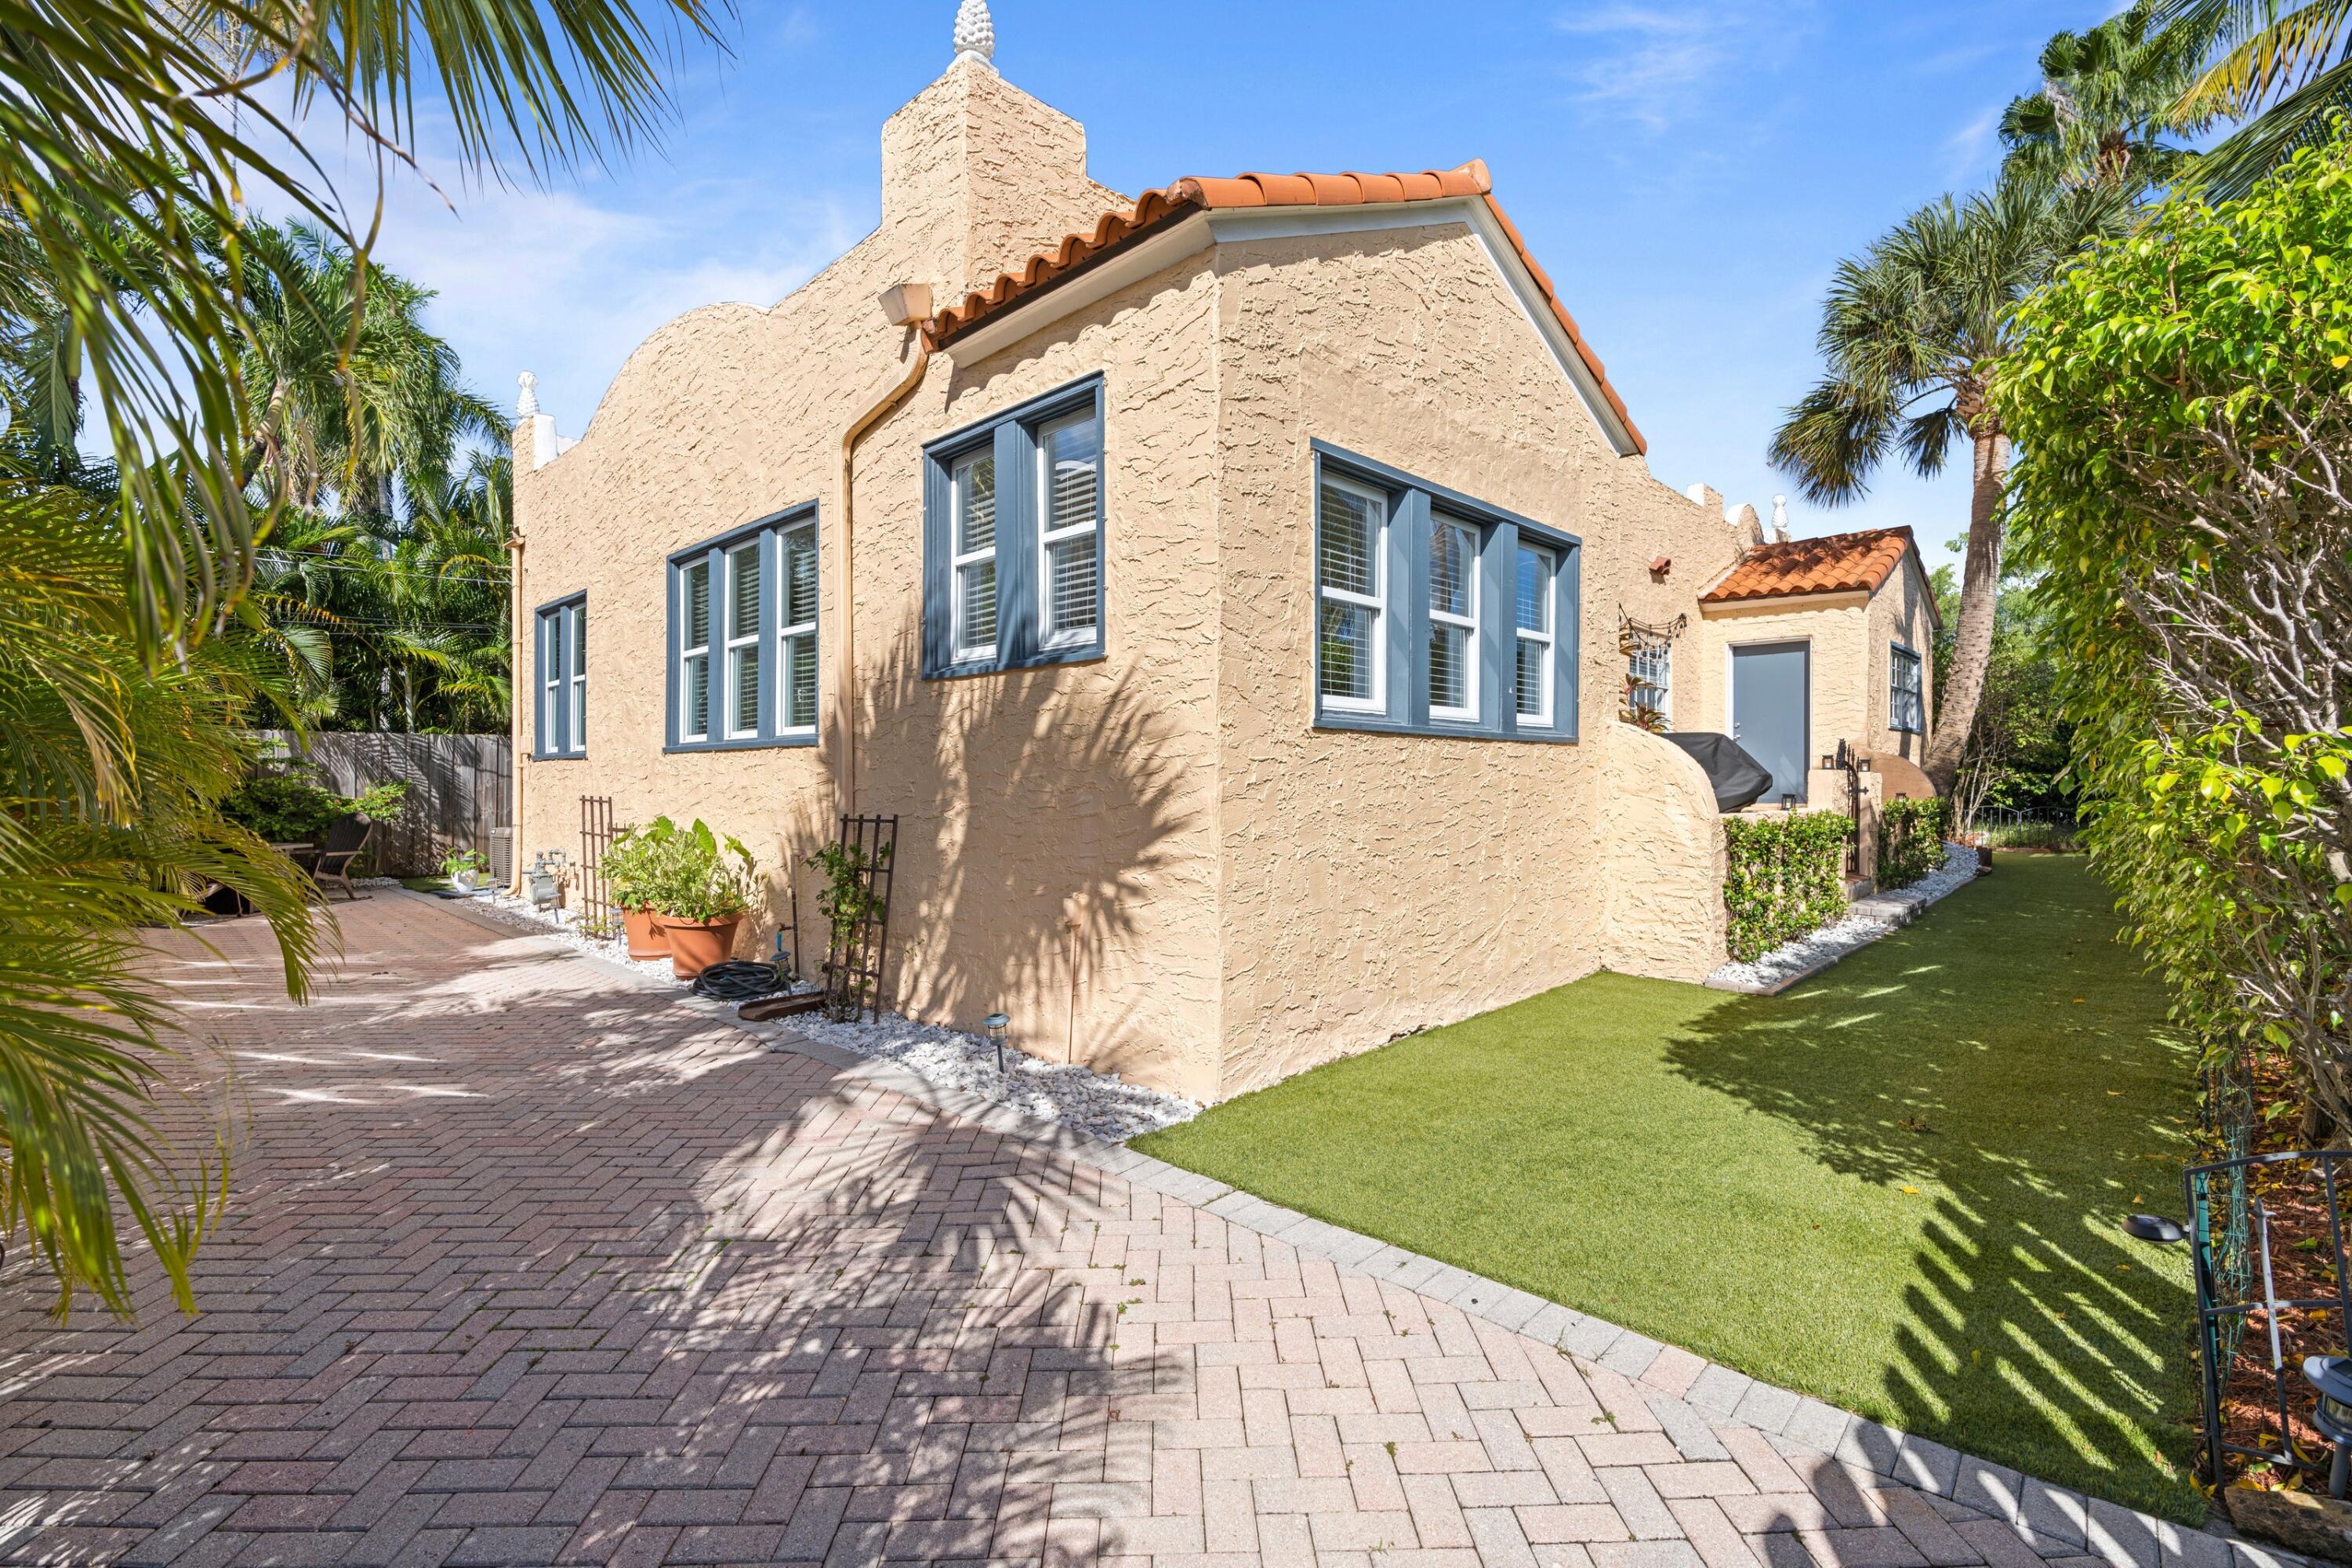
{"type": "Point", "coordinates": [1158, 209]}
{"type": "Point", "coordinates": [1833, 563]}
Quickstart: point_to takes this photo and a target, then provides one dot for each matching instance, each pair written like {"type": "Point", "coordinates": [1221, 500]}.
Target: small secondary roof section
{"type": "Point", "coordinates": [1157, 210]}
{"type": "Point", "coordinates": [1833, 563]}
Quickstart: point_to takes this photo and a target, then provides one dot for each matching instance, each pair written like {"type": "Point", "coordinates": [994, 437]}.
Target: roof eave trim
{"type": "Point", "coordinates": [1182, 232]}
{"type": "Point", "coordinates": [1806, 598]}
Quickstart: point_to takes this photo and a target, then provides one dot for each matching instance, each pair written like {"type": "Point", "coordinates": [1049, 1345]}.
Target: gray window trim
{"type": "Point", "coordinates": [1894, 688]}
{"type": "Point", "coordinates": [712, 551]}
{"type": "Point", "coordinates": [554, 628]}
{"type": "Point", "coordinates": [1011, 435]}
{"type": "Point", "coordinates": [1413, 503]}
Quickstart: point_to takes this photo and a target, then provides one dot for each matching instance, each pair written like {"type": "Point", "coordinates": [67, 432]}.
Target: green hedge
{"type": "Point", "coordinates": [1911, 840]}
{"type": "Point", "coordinates": [1787, 877]}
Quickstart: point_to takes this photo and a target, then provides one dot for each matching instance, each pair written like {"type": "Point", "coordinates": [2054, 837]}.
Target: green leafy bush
{"type": "Point", "coordinates": [1787, 877]}
{"type": "Point", "coordinates": [284, 808]}
{"type": "Point", "coordinates": [633, 862]}
{"type": "Point", "coordinates": [2184, 408]}
{"type": "Point", "coordinates": [694, 875]}
{"type": "Point", "coordinates": [1911, 839]}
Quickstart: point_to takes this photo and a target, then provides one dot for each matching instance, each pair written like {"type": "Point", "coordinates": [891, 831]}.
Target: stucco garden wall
{"type": "Point", "coordinates": [1376, 884]}
{"type": "Point", "coordinates": [1664, 860]}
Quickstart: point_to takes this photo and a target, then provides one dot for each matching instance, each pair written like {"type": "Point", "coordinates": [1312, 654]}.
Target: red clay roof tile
{"type": "Point", "coordinates": [1156, 208]}
{"type": "Point", "coordinates": [1833, 563]}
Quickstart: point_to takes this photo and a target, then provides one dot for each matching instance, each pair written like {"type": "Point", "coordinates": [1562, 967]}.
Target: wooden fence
{"type": "Point", "coordinates": [458, 786]}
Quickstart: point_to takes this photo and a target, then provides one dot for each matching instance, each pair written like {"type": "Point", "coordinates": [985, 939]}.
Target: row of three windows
{"type": "Point", "coordinates": [743, 645]}
{"type": "Point", "coordinates": [1435, 612]}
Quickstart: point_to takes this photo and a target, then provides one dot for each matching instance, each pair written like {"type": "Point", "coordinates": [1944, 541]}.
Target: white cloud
{"type": "Point", "coordinates": [567, 280]}
{"type": "Point", "coordinates": [1651, 61]}
{"type": "Point", "coordinates": [1973, 149]}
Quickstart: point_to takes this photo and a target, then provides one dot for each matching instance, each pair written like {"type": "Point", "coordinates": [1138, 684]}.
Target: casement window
{"type": "Point", "coordinates": [1908, 714]}
{"type": "Point", "coordinates": [1351, 542]}
{"type": "Point", "coordinates": [1650, 674]}
{"type": "Point", "coordinates": [743, 637]}
{"type": "Point", "coordinates": [1013, 538]}
{"type": "Point", "coordinates": [560, 658]}
{"type": "Point", "coordinates": [1438, 613]}
{"type": "Point", "coordinates": [1532, 671]}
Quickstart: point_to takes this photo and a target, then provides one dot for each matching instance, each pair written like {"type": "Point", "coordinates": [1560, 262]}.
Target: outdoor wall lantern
{"type": "Point", "coordinates": [2331, 1376]}
{"type": "Point", "coordinates": [996, 1024]}
{"type": "Point", "coordinates": [1789, 802]}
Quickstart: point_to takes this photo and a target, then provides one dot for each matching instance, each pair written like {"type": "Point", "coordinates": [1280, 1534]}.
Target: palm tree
{"type": "Point", "coordinates": [2104, 107]}
{"type": "Point", "coordinates": [347, 389]}
{"type": "Point", "coordinates": [1909, 332]}
{"type": "Point", "coordinates": [2283, 68]}
{"type": "Point", "coordinates": [130, 655]}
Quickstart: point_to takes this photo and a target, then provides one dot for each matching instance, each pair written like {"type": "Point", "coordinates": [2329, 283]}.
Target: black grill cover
{"type": "Point", "coordinates": [1739, 779]}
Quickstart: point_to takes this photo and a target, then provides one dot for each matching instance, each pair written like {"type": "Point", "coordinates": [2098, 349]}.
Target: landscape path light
{"type": "Point", "coordinates": [996, 1024]}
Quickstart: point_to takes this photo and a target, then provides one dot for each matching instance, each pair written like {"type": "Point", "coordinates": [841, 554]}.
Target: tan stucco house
{"type": "Point", "coordinates": [1229, 590]}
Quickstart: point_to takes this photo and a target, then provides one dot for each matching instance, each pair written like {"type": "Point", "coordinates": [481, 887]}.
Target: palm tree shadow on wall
{"type": "Point", "coordinates": [1038, 813]}
{"type": "Point", "coordinates": [2018, 1281]}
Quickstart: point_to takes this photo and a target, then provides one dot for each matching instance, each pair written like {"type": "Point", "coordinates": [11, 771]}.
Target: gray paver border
{"type": "Point", "coordinates": [2124, 1537]}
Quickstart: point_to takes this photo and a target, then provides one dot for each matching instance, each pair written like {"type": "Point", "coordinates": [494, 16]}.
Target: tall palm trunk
{"type": "Point", "coordinates": [1963, 684]}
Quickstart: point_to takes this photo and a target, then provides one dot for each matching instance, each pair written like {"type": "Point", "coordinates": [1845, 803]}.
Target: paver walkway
{"type": "Point", "coordinates": [527, 1266]}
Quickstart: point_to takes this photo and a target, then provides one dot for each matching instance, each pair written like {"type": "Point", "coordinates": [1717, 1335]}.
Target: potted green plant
{"type": "Point", "coordinates": [468, 870]}
{"type": "Point", "coordinates": [632, 865]}
{"type": "Point", "coordinates": [701, 893]}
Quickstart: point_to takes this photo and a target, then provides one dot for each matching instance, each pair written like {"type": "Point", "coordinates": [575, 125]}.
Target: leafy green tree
{"type": "Point", "coordinates": [1911, 333]}
{"type": "Point", "coordinates": [131, 648]}
{"type": "Point", "coordinates": [2021, 743]}
{"type": "Point", "coordinates": [2105, 109]}
{"type": "Point", "coordinates": [2282, 68]}
{"type": "Point", "coordinates": [2186, 497]}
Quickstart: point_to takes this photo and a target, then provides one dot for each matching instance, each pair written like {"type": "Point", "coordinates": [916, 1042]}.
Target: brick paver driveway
{"type": "Point", "coordinates": [528, 1266]}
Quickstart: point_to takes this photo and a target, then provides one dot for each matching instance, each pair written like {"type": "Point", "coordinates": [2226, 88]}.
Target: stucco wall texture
{"type": "Point", "coordinates": [1155, 862]}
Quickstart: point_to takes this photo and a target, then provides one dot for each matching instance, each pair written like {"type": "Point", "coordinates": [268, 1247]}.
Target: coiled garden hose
{"type": "Point", "coordinates": [740, 981]}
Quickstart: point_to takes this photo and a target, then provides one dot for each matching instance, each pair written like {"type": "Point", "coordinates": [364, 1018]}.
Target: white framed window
{"type": "Point", "coordinates": [1531, 616]}
{"type": "Point", "coordinates": [1452, 621]}
{"type": "Point", "coordinates": [744, 580]}
{"type": "Point", "coordinates": [1908, 711]}
{"type": "Point", "coordinates": [1350, 588]}
{"type": "Point", "coordinates": [1069, 532]}
{"type": "Point", "coordinates": [563, 663]}
{"type": "Point", "coordinates": [743, 637]}
{"type": "Point", "coordinates": [796, 627]}
{"type": "Point", "coordinates": [974, 561]}
{"type": "Point", "coordinates": [1649, 671]}
{"type": "Point", "coordinates": [694, 652]}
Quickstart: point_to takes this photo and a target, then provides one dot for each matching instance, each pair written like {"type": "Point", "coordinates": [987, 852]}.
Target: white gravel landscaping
{"type": "Point", "coordinates": [1864, 923]}
{"type": "Point", "coordinates": [1100, 1105]}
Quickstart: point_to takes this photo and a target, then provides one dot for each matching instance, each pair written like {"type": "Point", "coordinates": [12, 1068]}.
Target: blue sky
{"type": "Point", "coordinates": [1688, 171]}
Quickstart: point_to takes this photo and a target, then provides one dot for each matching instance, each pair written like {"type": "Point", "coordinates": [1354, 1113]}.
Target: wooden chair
{"type": "Point", "coordinates": [345, 841]}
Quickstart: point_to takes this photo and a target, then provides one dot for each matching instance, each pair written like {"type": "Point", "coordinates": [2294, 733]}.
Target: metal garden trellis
{"type": "Point", "coordinates": [2230, 1236]}
{"type": "Point", "coordinates": [596, 834]}
{"type": "Point", "coordinates": [855, 959]}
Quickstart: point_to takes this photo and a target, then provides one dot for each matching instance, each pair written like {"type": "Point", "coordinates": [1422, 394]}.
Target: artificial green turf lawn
{"type": "Point", "coordinates": [1737, 1175]}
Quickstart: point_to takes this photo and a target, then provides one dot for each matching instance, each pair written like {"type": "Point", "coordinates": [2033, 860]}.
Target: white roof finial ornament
{"type": "Point", "coordinates": [1781, 513]}
{"type": "Point", "coordinates": [527, 399]}
{"type": "Point", "coordinates": [975, 33]}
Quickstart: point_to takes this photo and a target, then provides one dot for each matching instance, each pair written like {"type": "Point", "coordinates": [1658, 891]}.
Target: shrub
{"type": "Point", "coordinates": [1787, 877]}
{"type": "Point", "coordinates": [697, 876]}
{"type": "Point", "coordinates": [632, 864]}
{"type": "Point", "coordinates": [284, 808]}
{"type": "Point", "coordinates": [1911, 840]}
{"type": "Point", "coordinates": [2181, 401]}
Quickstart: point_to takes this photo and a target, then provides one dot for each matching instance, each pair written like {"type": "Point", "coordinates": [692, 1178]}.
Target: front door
{"type": "Point", "coordinates": [1772, 710]}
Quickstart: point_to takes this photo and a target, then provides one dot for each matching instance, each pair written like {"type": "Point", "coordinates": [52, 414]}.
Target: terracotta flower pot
{"type": "Point", "coordinates": [646, 938]}
{"type": "Point", "coordinates": [696, 945]}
